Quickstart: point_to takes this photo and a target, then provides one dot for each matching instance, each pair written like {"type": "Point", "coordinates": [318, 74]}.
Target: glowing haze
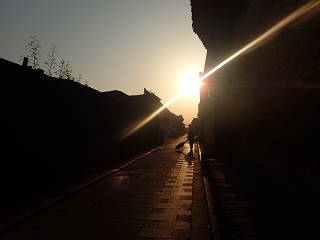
{"type": "Point", "coordinates": [190, 81]}
{"type": "Point", "coordinates": [115, 45]}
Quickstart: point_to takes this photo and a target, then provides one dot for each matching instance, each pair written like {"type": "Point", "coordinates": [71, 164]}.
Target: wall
{"type": "Point", "coordinates": [266, 102]}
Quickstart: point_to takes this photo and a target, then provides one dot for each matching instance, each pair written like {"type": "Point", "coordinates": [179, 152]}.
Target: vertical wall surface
{"type": "Point", "coordinates": [266, 102]}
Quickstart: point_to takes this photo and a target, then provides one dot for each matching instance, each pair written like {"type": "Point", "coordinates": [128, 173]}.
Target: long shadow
{"type": "Point", "coordinates": [187, 157]}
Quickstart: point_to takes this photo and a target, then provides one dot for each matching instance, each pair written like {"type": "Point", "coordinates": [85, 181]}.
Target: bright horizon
{"type": "Point", "coordinates": [125, 46]}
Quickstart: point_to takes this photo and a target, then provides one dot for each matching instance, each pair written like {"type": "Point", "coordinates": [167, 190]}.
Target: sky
{"type": "Point", "coordinates": [120, 45]}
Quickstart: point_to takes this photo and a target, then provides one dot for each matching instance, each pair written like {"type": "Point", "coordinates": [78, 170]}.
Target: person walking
{"type": "Point", "coordinates": [191, 138]}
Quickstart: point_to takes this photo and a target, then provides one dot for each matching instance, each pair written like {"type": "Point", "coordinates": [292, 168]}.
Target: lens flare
{"type": "Point", "coordinates": [254, 44]}
{"type": "Point", "coordinates": [145, 121]}
{"type": "Point", "coordinates": [304, 9]}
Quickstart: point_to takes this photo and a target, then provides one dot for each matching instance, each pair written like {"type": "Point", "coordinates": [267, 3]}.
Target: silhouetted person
{"type": "Point", "coordinates": [191, 138]}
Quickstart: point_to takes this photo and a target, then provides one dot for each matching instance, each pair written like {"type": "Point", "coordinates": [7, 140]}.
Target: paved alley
{"type": "Point", "coordinates": [160, 196]}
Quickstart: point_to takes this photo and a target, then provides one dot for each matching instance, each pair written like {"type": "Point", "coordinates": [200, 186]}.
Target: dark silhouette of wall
{"type": "Point", "coordinates": [262, 108]}
{"type": "Point", "coordinates": [55, 131]}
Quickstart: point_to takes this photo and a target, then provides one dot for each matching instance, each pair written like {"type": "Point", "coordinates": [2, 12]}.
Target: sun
{"type": "Point", "coordinates": [190, 83]}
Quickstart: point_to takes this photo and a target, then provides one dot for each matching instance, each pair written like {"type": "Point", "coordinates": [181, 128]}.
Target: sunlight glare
{"type": "Point", "coordinates": [301, 11]}
{"type": "Point", "coordinates": [190, 83]}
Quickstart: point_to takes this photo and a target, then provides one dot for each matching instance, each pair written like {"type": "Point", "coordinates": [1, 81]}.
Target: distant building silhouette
{"type": "Point", "coordinates": [56, 130]}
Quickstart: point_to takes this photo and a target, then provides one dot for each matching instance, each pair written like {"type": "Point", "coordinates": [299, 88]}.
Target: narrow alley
{"type": "Point", "coordinates": [160, 196]}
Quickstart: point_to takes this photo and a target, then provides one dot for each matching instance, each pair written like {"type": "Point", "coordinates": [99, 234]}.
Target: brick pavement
{"type": "Point", "coordinates": [160, 196]}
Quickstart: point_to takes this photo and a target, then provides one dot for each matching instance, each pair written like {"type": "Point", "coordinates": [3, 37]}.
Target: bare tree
{"type": "Point", "coordinates": [61, 69]}
{"type": "Point", "coordinates": [68, 71]}
{"type": "Point", "coordinates": [34, 49]}
{"type": "Point", "coordinates": [77, 79]}
{"type": "Point", "coordinates": [64, 70]}
{"type": "Point", "coordinates": [51, 63]}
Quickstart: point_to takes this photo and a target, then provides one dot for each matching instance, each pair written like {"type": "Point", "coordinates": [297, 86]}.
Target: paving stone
{"type": "Point", "coordinates": [127, 238]}
{"type": "Point", "coordinates": [150, 200]}
{"type": "Point", "coordinates": [112, 214]}
{"type": "Point", "coordinates": [183, 218]}
{"type": "Point", "coordinates": [167, 193]}
{"type": "Point", "coordinates": [199, 203]}
{"type": "Point", "coordinates": [164, 200]}
{"type": "Point", "coordinates": [52, 229]}
{"type": "Point", "coordinates": [127, 231]}
{"type": "Point", "coordinates": [151, 224]}
{"type": "Point", "coordinates": [158, 211]}
{"type": "Point", "coordinates": [187, 184]}
{"type": "Point", "coordinates": [166, 205]}
{"type": "Point", "coordinates": [108, 237]}
{"type": "Point", "coordinates": [172, 178]}
{"type": "Point", "coordinates": [129, 222]}
{"type": "Point", "coordinates": [181, 193]}
{"type": "Point", "coordinates": [175, 225]}
{"type": "Point", "coordinates": [181, 234]}
{"type": "Point", "coordinates": [106, 221]}
{"type": "Point", "coordinates": [200, 233]}
{"type": "Point", "coordinates": [162, 217]}
{"type": "Point", "coordinates": [185, 206]}
{"type": "Point", "coordinates": [144, 210]}
{"type": "Point", "coordinates": [199, 196]}
{"type": "Point", "coordinates": [156, 233]}
{"type": "Point", "coordinates": [179, 201]}
{"type": "Point", "coordinates": [186, 198]}
{"type": "Point", "coordinates": [67, 236]}
{"type": "Point", "coordinates": [200, 221]}
{"type": "Point", "coordinates": [186, 190]}
{"type": "Point", "coordinates": [137, 199]}
{"type": "Point", "coordinates": [131, 209]}
{"type": "Point", "coordinates": [198, 189]}
{"type": "Point", "coordinates": [99, 229]}
{"type": "Point", "coordinates": [169, 196]}
{"type": "Point", "coordinates": [179, 211]}
{"type": "Point", "coordinates": [140, 204]}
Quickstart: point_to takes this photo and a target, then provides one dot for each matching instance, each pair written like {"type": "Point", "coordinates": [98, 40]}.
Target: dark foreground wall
{"type": "Point", "coordinates": [271, 115]}
{"type": "Point", "coordinates": [55, 130]}
{"type": "Point", "coordinates": [266, 103]}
